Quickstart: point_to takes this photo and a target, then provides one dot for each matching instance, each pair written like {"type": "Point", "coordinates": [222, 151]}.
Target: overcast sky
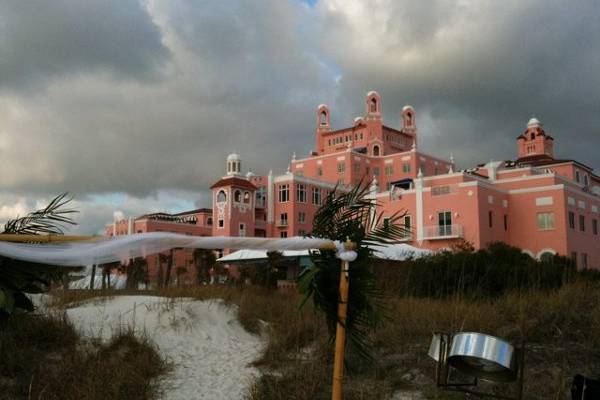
{"type": "Point", "coordinates": [132, 106]}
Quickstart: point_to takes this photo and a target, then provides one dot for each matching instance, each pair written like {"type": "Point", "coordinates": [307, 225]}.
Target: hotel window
{"type": "Point", "coordinates": [505, 222]}
{"type": "Point", "coordinates": [284, 193]}
{"type": "Point", "coordinates": [242, 230]}
{"type": "Point", "coordinates": [283, 234]}
{"type": "Point", "coordinates": [320, 171]}
{"type": "Point", "coordinates": [361, 135]}
{"type": "Point", "coordinates": [221, 223]}
{"type": "Point", "coordinates": [571, 220]}
{"type": "Point", "coordinates": [247, 197]}
{"type": "Point", "coordinates": [406, 167]}
{"type": "Point", "coordinates": [585, 180]}
{"type": "Point", "coordinates": [582, 223]}
{"type": "Point", "coordinates": [283, 219]}
{"type": "Point", "coordinates": [301, 217]}
{"type": "Point", "coordinates": [301, 193]}
{"type": "Point", "coordinates": [261, 197]}
{"type": "Point", "coordinates": [407, 226]}
{"type": "Point", "coordinates": [386, 223]}
{"type": "Point", "coordinates": [490, 219]}
{"type": "Point", "coordinates": [329, 141]}
{"type": "Point", "coordinates": [341, 167]}
{"type": "Point", "coordinates": [221, 197]}
{"type": "Point", "coordinates": [584, 260]}
{"type": "Point", "coordinates": [237, 196]}
{"type": "Point", "coordinates": [445, 223]}
{"type": "Point", "coordinates": [316, 196]}
{"type": "Point", "coordinates": [376, 171]}
{"type": "Point", "coordinates": [595, 226]}
{"type": "Point", "coordinates": [577, 177]}
{"type": "Point", "coordinates": [209, 221]}
{"type": "Point", "coordinates": [545, 220]}
{"type": "Point", "coordinates": [389, 170]}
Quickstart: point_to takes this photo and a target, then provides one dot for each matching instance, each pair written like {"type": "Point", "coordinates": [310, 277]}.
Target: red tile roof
{"type": "Point", "coordinates": [234, 181]}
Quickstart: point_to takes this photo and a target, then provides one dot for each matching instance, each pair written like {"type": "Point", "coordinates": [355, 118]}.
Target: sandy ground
{"type": "Point", "coordinates": [209, 350]}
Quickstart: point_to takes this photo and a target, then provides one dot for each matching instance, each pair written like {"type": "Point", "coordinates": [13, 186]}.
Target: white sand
{"type": "Point", "coordinates": [208, 348]}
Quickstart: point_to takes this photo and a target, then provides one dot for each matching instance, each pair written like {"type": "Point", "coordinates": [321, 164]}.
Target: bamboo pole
{"type": "Point", "coordinates": [13, 237]}
{"type": "Point", "coordinates": [340, 333]}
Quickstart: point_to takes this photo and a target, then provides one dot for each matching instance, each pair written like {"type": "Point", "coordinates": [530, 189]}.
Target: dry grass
{"type": "Point", "coordinates": [561, 329]}
{"type": "Point", "coordinates": [43, 358]}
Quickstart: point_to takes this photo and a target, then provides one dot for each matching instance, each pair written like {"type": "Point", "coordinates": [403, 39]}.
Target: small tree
{"type": "Point", "coordinates": [137, 272]}
{"type": "Point", "coordinates": [180, 272]}
{"type": "Point", "coordinates": [350, 216]}
{"type": "Point", "coordinates": [203, 261]}
{"type": "Point", "coordinates": [19, 277]}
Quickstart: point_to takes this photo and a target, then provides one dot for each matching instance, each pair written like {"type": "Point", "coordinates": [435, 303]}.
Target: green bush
{"type": "Point", "coordinates": [486, 273]}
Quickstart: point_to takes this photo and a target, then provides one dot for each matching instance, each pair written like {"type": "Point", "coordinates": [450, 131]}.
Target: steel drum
{"type": "Point", "coordinates": [483, 356]}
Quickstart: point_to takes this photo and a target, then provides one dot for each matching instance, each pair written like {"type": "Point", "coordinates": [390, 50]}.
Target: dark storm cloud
{"type": "Point", "coordinates": [41, 40]}
{"type": "Point", "coordinates": [478, 70]}
{"type": "Point", "coordinates": [246, 76]}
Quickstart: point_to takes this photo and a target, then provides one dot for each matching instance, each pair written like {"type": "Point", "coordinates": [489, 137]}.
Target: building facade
{"type": "Point", "coordinates": [536, 202]}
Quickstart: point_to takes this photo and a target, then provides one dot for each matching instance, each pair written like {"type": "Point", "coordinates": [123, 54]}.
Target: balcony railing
{"type": "Point", "coordinates": [282, 223]}
{"type": "Point", "coordinates": [443, 232]}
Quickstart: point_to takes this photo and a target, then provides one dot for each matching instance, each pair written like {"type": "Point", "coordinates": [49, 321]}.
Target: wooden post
{"type": "Point", "coordinates": [340, 333]}
{"type": "Point", "coordinates": [93, 277]}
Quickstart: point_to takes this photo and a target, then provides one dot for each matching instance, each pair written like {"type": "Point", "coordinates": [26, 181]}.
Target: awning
{"type": "Point", "coordinates": [246, 255]}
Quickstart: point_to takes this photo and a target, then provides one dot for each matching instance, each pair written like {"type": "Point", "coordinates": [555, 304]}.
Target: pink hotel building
{"type": "Point", "coordinates": [538, 203]}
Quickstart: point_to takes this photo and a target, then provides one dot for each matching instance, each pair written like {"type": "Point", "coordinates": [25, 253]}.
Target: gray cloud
{"type": "Point", "coordinates": [41, 40]}
{"type": "Point", "coordinates": [147, 99]}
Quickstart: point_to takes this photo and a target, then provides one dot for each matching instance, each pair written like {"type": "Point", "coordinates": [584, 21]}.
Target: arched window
{"type": "Point", "coordinates": [408, 119]}
{"type": "Point", "coordinates": [375, 150]}
{"type": "Point", "coordinates": [373, 105]}
{"type": "Point", "coordinates": [237, 196]}
{"type": "Point", "coordinates": [323, 118]}
{"type": "Point", "coordinates": [247, 197]}
{"type": "Point", "coordinates": [532, 135]}
{"type": "Point", "coordinates": [221, 197]}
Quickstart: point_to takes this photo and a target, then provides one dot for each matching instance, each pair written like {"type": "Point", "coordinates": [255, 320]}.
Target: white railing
{"type": "Point", "coordinates": [282, 222]}
{"type": "Point", "coordinates": [443, 232]}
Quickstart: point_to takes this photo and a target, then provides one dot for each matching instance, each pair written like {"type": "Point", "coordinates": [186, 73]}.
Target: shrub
{"type": "Point", "coordinates": [486, 273]}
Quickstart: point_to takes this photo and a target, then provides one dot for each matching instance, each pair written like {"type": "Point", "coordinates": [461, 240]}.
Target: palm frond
{"type": "Point", "coordinates": [350, 215]}
{"type": "Point", "coordinates": [19, 277]}
{"type": "Point", "coordinates": [53, 219]}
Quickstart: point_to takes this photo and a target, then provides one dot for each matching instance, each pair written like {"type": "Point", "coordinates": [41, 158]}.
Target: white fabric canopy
{"type": "Point", "coordinates": [140, 245]}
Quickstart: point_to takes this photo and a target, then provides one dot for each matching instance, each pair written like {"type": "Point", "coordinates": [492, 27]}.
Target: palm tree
{"type": "Point", "coordinates": [20, 277]}
{"type": "Point", "coordinates": [203, 260]}
{"type": "Point", "coordinates": [350, 216]}
{"type": "Point", "coordinates": [136, 272]}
